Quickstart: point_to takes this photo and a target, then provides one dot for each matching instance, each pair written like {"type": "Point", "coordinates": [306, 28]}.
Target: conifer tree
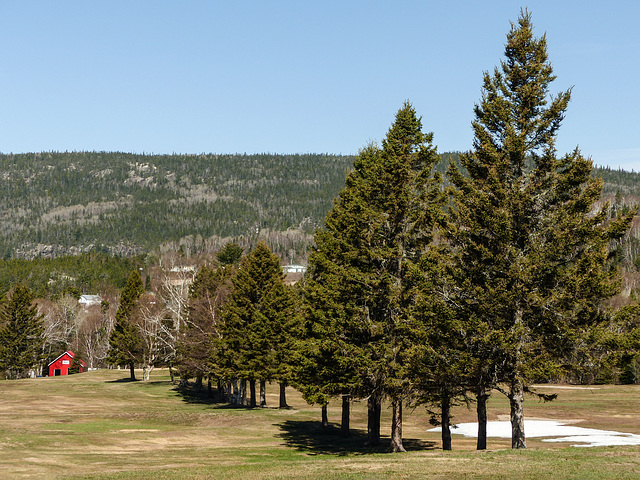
{"type": "Point", "coordinates": [230, 254]}
{"type": "Point", "coordinates": [21, 334]}
{"type": "Point", "coordinates": [334, 339]}
{"type": "Point", "coordinates": [125, 342]}
{"type": "Point", "coordinates": [361, 280]}
{"type": "Point", "coordinates": [440, 364]}
{"type": "Point", "coordinates": [255, 320]}
{"type": "Point", "coordinates": [532, 253]}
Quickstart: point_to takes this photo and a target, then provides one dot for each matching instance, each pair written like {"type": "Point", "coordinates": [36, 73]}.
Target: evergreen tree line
{"type": "Point", "coordinates": [427, 294]}
{"type": "Point", "coordinates": [423, 293]}
{"type": "Point", "coordinates": [87, 273]}
{"type": "Point", "coordinates": [235, 323]}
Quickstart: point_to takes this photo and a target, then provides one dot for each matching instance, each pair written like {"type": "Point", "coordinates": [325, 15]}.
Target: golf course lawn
{"type": "Point", "coordinates": [99, 425]}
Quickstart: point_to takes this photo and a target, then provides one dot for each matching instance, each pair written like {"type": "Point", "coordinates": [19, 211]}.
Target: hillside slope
{"type": "Point", "coordinates": [71, 202]}
{"type": "Point", "coordinates": [65, 203]}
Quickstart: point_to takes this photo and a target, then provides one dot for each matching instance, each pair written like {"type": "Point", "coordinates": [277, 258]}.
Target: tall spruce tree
{"type": "Point", "coordinates": [335, 338]}
{"type": "Point", "coordinates": [361, 286]}
{"type": "Point", "coordinates": [21, 334]}
{"type": "Point", "coordinates": [531, 249]}
{"type": "Point", "coordinates": [125, 342]}
{"type": "Point", "coordinates": [256, 320]}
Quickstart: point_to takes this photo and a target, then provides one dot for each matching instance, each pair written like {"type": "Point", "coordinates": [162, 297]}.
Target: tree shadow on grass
{"type": "Point", "coordinates": [202, 396]}
{"type": "Point", "coordinates": [123, 380]}
{"type": "Point", "coordinates": [143, 384]}
{"type": "Point", "coordinates": [311, 437]}
{"type": "Point", "coordinates": [156, 383]}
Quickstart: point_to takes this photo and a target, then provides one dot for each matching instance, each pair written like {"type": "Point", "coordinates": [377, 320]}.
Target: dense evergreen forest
{"type": "Point", "coordinates": [67, 203]}
{"type": "Point", "coordinates": [85, 273]}
{"type": "Point", "coordinates": [62, 203]}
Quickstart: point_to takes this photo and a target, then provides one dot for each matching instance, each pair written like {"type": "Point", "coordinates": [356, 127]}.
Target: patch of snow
{"type": "Point", "coordinates": [587, 437]}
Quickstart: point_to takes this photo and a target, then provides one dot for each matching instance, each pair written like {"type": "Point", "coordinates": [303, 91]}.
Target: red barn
{"type": "Point", "coordinates": [62, 364]}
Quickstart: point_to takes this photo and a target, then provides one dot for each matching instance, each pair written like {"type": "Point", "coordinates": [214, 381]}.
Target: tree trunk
{"type": "Point", "coordinates": [198, 385]}
{"type": "Point", "coordinates": [227, 392]}
{"type": "Point", "coordinates": [516, 395]}
{"type": "Point", "coordinates": [146, 372]}
{"type": "Point", "coordinates": [446, 422]}
{"type": "Point", "coordinates": [252, 393]}
{"type": "Point", "coordinates": [344, 426]}
{"type": "Point", "coordinates": [243, 392]}
{"type": "Point", "coordinates": [220, 396]}
{"type": "Point", "coordinates": [132, 372]}
{"type": "Point", "coordinates": [283, 396]}
{"type": "Point", "coordinates": [374, 408]}
{"type": "Point", "coordinates": [482, 396]}
{"type": "Point", "coordinates": [263, 393]}
{"type": "Point", "coordinates": [325, 416]}
{"type": "Point", "coordinates": [235, 396]}
{"type": "Point", "coordinates": [396, 426]}
{"type": "Point", "coordinates": [516, 401]}
{"type": "Point", "coordinates": [209, 388]}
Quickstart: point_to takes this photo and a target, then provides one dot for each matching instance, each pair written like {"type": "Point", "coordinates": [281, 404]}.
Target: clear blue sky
{"type": "Point", "coordinates": [298, 76]}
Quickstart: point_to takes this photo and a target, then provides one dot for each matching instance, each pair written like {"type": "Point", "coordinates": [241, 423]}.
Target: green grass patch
{"type": "Point", "coordinates": [99, 425]}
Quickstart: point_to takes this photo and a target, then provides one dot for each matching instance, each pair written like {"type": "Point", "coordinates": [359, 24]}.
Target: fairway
{"type": "Point", "coordinates": [99, 425]}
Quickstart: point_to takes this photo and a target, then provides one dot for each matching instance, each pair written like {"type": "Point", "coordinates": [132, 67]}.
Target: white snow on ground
{"type": "Point", "coordinates": [587, 437]}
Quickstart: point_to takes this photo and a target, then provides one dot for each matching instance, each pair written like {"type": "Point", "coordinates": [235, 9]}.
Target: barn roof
{"type": "Point", "coordinates": [69, 353]}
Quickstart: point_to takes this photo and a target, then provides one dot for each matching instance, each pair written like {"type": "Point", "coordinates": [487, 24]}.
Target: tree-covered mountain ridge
{"type": "Point", "coordinates": [60, 203]}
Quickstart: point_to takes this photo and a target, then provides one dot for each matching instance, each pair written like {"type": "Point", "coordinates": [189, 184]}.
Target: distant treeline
{"type": "Point", "coordinates": [75, 275]}
{"type": "Point", "coordinates": [61, 203]}
{"type": "Point", "coordinates": [66, 203]}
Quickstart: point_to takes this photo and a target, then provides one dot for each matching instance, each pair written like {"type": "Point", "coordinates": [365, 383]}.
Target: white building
{"type": "Point", "coordinates": [90, 300]}
{"type": "Point", "coordinates": [294, 269]}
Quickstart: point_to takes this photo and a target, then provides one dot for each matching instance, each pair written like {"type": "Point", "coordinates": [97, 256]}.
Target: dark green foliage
{"type": "Point", "coordinates": [129, 296]}
{"type": "Point", "coordinates": [258, 319]}
{"type": "Point", "coordinates": [230, 254]}
{"type": "Point", "coordinates": [630, 366]}
{"type": "Point", "coordinates": [57, 202]}
{"type": "Point", "coordinates": [618, 181]}
{"type": "Point", "coordinates": [335, 336]}
{"type": "Point", "coordinates": [52, 277]}
{"type": "Point", "coordinates": [65, 203]}
{"type": "Point", "coordinates": [21, 334]}
{"type": "Point", "coordinates": [361, 283]}
{"type": "Point", "coordinates": [616, 348]}
{"type": "Point", "coordinates": [76, 365]}
{"type": "Point", "coordinates": [442, 368]}
{"type": "Point", "coordinates": [532, 255]}
{"type": "Point", "coordinates": [125, 343]}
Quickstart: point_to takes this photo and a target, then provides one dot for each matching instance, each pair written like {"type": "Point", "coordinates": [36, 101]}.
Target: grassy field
{"type": "Point", "coordinates": [98, 425]}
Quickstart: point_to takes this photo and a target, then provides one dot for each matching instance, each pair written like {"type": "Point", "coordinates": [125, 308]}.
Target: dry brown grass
{"type": "Point", "coordinates": [98, 425]}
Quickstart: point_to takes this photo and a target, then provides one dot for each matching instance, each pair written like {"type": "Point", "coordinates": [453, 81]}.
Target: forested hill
{"type": "Point", "coordinates": [61, 203]}
{"type": "Point", "coordinates": [65, 203]}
